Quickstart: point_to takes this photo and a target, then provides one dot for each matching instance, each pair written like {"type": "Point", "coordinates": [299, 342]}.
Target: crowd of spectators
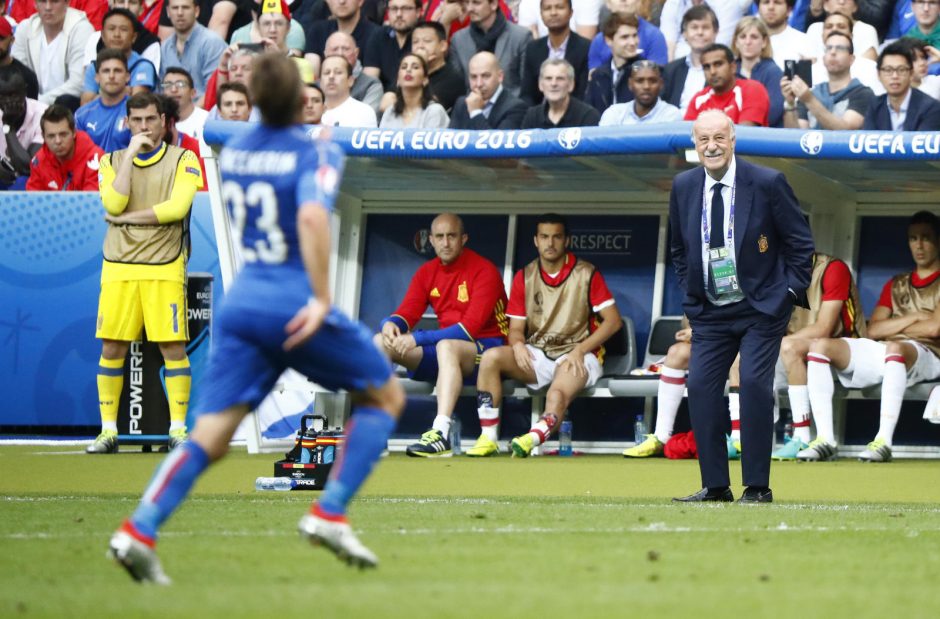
{"type": "Point", "coordinates": [507, 64]}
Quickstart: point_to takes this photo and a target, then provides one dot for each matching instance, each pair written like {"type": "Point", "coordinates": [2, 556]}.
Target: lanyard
{"type": "Point", "coordinates": [707, 237]}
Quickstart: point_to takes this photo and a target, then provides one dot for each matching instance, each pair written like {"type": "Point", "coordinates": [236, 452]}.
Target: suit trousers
{"type": "Point", "coordinates": [718, 334]}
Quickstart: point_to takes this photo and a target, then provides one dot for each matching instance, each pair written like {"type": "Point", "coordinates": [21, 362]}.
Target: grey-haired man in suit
{"type": "Point", "coordinates": [743, 256]}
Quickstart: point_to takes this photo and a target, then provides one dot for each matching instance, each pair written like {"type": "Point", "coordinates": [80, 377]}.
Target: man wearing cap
{"type": "Point", "coordinates": [9, 63]}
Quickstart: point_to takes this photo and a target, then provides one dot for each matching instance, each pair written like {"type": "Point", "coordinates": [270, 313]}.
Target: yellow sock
{"type": "Point", "coordinates": [178, 382]}
{"type": "Point", "coordinates": [110, 384]}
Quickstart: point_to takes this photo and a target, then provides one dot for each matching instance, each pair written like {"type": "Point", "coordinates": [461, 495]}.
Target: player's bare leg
{"type": "Point", "coordinates": [495, 364]}
{"type": "Point", "coordinates": [564, 388]}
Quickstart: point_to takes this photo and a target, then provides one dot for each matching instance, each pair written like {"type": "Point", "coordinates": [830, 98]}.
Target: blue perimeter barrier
{"type": "Point", "coordinates": [588, 141]}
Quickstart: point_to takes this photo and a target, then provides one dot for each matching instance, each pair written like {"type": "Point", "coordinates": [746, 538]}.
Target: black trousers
{"type": "Point", "coordinates": [718, 334]}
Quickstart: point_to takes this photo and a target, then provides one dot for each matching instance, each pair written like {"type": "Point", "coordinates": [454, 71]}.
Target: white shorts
{"type": "Point", "coordinates": [867, 367]}
{"type": "Point", "coordinates": [545, 368]}
{"type": "Point", "coordinates": [780, 375]}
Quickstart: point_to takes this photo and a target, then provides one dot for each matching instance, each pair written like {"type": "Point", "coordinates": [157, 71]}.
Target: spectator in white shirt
{"type": "Point", "coordinates": [787, 42]}
{"type": "Point", "coordinates": [52, 44]}
{"type": "Point", "coordinates": [178, 85]}
{"type": "Point", "coordinates": [342, 110]}
{"type": "Point", "coordinates": [864, 36]}
{"type": "Point", "coordinates": [670, 22]}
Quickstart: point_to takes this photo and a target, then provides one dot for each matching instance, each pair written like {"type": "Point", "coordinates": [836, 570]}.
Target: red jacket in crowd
{"type": "Point", "coordinates": [80, 173]}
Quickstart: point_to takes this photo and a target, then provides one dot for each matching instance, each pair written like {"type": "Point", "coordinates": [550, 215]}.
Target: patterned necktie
{"type": "Point", "coordinates": [718, 218]}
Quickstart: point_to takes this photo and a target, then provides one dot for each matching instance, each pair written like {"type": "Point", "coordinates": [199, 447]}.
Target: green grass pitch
{"type": "Point", "coordinates": [585, 537]}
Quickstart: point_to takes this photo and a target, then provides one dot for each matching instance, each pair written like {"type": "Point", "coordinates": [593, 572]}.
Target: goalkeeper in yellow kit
{"type": "Point", "coordinates": [147, 190]}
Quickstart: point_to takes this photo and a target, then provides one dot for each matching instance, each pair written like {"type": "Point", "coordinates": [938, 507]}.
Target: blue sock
{"type": "Point", "coordinates": [169, 486]}
{"type": "Point", "coordinates": [367, 438]}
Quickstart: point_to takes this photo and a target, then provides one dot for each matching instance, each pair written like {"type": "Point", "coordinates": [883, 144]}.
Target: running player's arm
{"type": "Point", "coordinates": [187, 181]}
{"type": "Point", "coordinates": [835, 291]}
{"type": "Point", "coordinates": [881, 325]}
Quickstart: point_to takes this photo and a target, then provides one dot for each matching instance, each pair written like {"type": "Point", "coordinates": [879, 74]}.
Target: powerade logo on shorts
{"type": "Point", "coordinates": [812, 142]}
{"type": "Point", "coordinates": [136, 406]}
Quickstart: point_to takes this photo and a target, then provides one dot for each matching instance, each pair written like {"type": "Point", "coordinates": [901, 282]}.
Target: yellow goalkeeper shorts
{"type": "Point", "coordinates": [158, 305]}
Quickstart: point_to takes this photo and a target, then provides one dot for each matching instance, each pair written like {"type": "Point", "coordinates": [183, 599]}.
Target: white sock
{"type": "Point", "coordinates": [543, 428]}
{"type": "Point", "coordinates": [668, 398]}
{"type": "Point", "coordinates": [893, 386]}
{"type": "Point", "coordinates": [820, 386]}
{"type": "Point", "coordinates": [109, 426]}
{"type": "Point", "coordinates": [442, 425]}
{"type": "Point", "coordinates": [489, 422]}
{"type": "Point", "coordinates": [799, 406]}
{"type": "Point", "coordinates": [734, 406]}
{"type": "Point", "coordinates": [177, 425]}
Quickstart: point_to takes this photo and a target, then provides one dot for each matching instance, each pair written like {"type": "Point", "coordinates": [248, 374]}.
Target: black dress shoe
{"type": "Point", "coordinates": [753, 495]}
{"type": "Point", "coordinates": [721, 495]}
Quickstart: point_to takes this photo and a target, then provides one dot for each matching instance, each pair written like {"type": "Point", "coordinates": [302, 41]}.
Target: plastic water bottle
{"type": "Point", "coordinates": [281, 484]}
{"type": "Point", "coordinates": [639, 429]}
{"type": "Point", "coordinates": [787, 431]}
{"type": "Point", "coordinates": [564, 439]}
{"type": "Point", "coordinates": [455, 436]}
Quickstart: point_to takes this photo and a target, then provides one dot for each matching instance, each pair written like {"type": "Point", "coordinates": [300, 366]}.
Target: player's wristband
{"type": "Point", "coordinates": [398, 321]}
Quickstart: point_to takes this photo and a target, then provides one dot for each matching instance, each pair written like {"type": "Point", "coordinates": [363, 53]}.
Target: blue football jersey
{"type": "Point", "coordinates": [267, 174]}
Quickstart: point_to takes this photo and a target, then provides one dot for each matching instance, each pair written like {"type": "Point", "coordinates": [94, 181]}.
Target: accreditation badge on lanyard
{"type": "Point", "coordinates": [722, 272]}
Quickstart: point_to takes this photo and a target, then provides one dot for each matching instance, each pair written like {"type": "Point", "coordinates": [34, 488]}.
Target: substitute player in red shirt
{"type": "Point", "coordinates": [834, 311]}
{"type": "Point", "coordinates": [560, 314]}
{"type": "Point", "coordinates": [744, 101]}
{"type": "Point", "coordinates": [902, 347]}
{"type": "Point", "coordinates": [466, 292]}
{"type": "Point", "coordinates": [68, 160]}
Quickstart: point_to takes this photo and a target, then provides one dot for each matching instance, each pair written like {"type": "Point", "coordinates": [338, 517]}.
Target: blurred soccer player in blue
{"type": "Point", "coordinates": [280, 187]}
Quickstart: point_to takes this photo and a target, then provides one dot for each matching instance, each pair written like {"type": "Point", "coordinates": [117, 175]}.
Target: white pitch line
{"type": "Point", "coordinates": [655, 527]}
{"type": "Point", "coordinates": [301, 497]}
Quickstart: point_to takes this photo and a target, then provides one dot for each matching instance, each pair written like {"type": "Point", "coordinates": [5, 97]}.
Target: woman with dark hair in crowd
{"type": "Point", "coordinates": [751, 46]}
{"type": "Point", "coordinates": [414, 104]}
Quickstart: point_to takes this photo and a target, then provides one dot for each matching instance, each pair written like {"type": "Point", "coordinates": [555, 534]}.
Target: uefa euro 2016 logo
{"type": "Point", "coordinates": [812, 142]}
{"type": "Point", "coordinates": [570, 138]}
